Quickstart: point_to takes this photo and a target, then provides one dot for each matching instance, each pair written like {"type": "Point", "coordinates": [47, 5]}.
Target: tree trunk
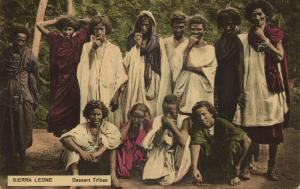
{"type": "Point", "coordinates": [71, 10]}
{"type": "Point", "coordinates": [37, 34]}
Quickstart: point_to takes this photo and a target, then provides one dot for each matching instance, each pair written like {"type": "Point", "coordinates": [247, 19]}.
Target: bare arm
{"type": "Point", "coordinates": [124, 132]}
{"type": "Point", "coordinates": [99, 152]}
{"type": "Point", "coordinates": [42, 26]}
{"type": "Point", "coordinates": [246, 144]}
{"type": "Point", "coordinates": [71, 145]}
{"type": "Point", "coordinates": [182, 134]}
{"type": "Point", "coordinates": [195, 151]}
{"type": "Point", "coordinates": [277, 50]}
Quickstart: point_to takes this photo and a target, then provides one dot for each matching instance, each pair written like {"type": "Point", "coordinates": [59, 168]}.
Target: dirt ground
{"type": "Point", "coordinates": [44, 153]}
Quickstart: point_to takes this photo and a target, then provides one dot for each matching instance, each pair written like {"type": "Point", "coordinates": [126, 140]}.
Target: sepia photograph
{"type": "Point", "coordinates": [134, 94]}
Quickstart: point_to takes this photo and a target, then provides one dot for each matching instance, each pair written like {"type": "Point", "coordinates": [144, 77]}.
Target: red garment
{"type": "Point", "coordinates": [130, 154]}
{"type": "Point", "coordinates": [275, 35]}
{"type": "Point", "coordinates": [265, 135]}
{"type": "Point", "coordinates": [64, 105]}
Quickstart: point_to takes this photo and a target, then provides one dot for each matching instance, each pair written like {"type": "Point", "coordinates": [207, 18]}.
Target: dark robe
{"type": "Point", "coordinates": [229, 53]}
{"type": "Point", "coordinates": [64, 105]}
{"type": "Point", "coordinates": [18, 99]}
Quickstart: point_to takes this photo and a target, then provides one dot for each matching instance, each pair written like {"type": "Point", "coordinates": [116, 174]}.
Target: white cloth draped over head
{"type": "Point", "coordinates": [262, 107]}
{"type": "Point", "coordinates": [163, 162]}
{"type": "Point", "coordinates": [191, 87]}
{"type": "Point", "coordinates": [160, 85]}
{"type": "Point", "coordinates": [109, 136]}
{"type": "Point", "coordinates": [103, 79]}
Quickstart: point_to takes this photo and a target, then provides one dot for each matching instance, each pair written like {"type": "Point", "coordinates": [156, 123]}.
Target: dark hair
{"type": "Point", "coordinates": [201, 104]}
{"type": "Point", "coordinates": [100, 19]}
{"type": "Point", "coordinates": [171, 99]}
{"type": "Point", "coordinates": [142, 107]}
{"type": "Point", "coordinates": [18, 28]}
{"type": "Point", "coordinates": [178, 17]}
{"type": "Point", "coordinates": [198, 19]}
{"type": "Point", "coordinates": [68, 22]}
{"type": "Point", "coordinates": [139, 21]}
{"type": "Point", "coordinates": [95, 104]}
{"type": "Point", "coordinates": [228, 14]}
{"type": "Point", "coordinates": [265, 6]}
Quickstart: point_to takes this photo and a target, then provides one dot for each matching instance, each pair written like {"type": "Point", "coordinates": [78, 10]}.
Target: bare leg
{"type": "Point", "coordinates": [75, 170]}
{"type": "Point", "coordinates": [113, 166]}
{"type": "Point", "coordinates": [272, 174]}
{"type": "Point", "coordinates": [243, 161]}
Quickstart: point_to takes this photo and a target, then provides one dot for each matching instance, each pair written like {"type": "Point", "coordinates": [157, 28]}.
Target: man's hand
{"type": "Point", "coordinates": [167, 121]}
{"type": "Point", "coordinates": [138, 39]}
{"type": "Point", "coordinates": [260, 33]}
{"type": "Point", "coordinates": [87, 156]}
{"type": "Point", "coordinates": [241, 100]}
{"type": "Point", "coordinates": [192, 41]}
{"type": "Point", "coordinates": [114, 104]}
{"type": "Point", "coordinates": [123, 87]}
{"type": "Point", "coordinates": [197, 175]}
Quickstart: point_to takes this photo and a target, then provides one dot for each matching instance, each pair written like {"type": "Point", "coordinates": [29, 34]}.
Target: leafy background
{"type": "Point", "coordinates": [122, 14]}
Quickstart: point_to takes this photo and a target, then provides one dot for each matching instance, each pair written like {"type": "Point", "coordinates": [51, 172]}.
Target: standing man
{"type": "Point", "coordinates": [149, 79]}
{"type": "Point", "coordinates": [100, 71]}
{"type": "Point", "coordinates": [65, 51]}
{"type": "Point", "coordinates": [176, 44]}
{"type": "Point", "coordinates": [266, 81]}
{"type": "Point", "coordinates": [18, 100]}
{"type": "Point", "coordinates": [196, 80]}
{"type": "Point", "coordinates": [167, 143]}
{"type": "Point", "coordinates": [230, 74]}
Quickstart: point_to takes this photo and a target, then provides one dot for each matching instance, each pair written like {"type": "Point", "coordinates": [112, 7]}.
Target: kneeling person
{"type": "Point", "coordinates": [168, 144]}
{"type": "Point", "coordinates": [131, 156]}
{"type": "Point", "coordinates": [88, 145]}
{"type": "Point", "coordinates": [218, 147]}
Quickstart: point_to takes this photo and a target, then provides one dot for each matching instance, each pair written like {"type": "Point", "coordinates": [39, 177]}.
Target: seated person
{"type": "Point", "coordinates": [169, 156]}
{"type": "Point", "coordinates": [88, 146]}
{"type": "Point", "coordinates": [131, 156]}
{"type": "Point", "coordinates": [218, 147]}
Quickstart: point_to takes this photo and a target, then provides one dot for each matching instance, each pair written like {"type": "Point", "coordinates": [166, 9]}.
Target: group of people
{"type": "Point", "coordinates": [170, 107]}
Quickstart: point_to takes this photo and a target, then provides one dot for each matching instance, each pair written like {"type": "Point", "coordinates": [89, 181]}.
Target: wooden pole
{"type": "Point", "coordinates": [37, 34]}
{"type": "Point", "coordinates": [71, 9]}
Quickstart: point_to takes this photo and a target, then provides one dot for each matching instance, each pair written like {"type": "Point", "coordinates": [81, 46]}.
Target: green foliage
{"type": "Point", "coordinates": [122, 14]}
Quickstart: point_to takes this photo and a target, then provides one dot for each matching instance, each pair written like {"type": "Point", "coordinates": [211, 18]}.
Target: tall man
{"type": "Point", "coordinates": [149, 77]}
{"type": "Point", "coordinates": [176, 44]}
{"type": "Point", "coordinates": [65, 51]}
{"type": "Point", "coordinates": [230, 73]}
{"type": "Point", "coordinates": [18, 99]}
{"type": "Point", "coordinates": [266, 81]}
{"type": "Point", "coordinates": [100, 72]}
{"type": "Point", "coordinates": [167, 143]}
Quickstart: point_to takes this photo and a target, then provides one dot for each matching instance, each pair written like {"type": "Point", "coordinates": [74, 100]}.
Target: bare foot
{"type": "Point", "coordinates": [235, 181]}
{"type": "Point", "coordinates": [115, 182]}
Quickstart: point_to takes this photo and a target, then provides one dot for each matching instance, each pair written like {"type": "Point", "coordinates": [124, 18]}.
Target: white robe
{"type": "Point", "coordinates": [191, 87]}
{"type": "Point", "coordinates": [160, 85]}
{"type": "Point", "coordinates": [104, 78]}
{"type": "Point", "coordinates": [262, 107]}
{"type": "Point", "coordinates": [109, 136]}
{"type": "Point", "coordinates": [175, 56]}
{"type": "Point", "coordinates": [163, 162]}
